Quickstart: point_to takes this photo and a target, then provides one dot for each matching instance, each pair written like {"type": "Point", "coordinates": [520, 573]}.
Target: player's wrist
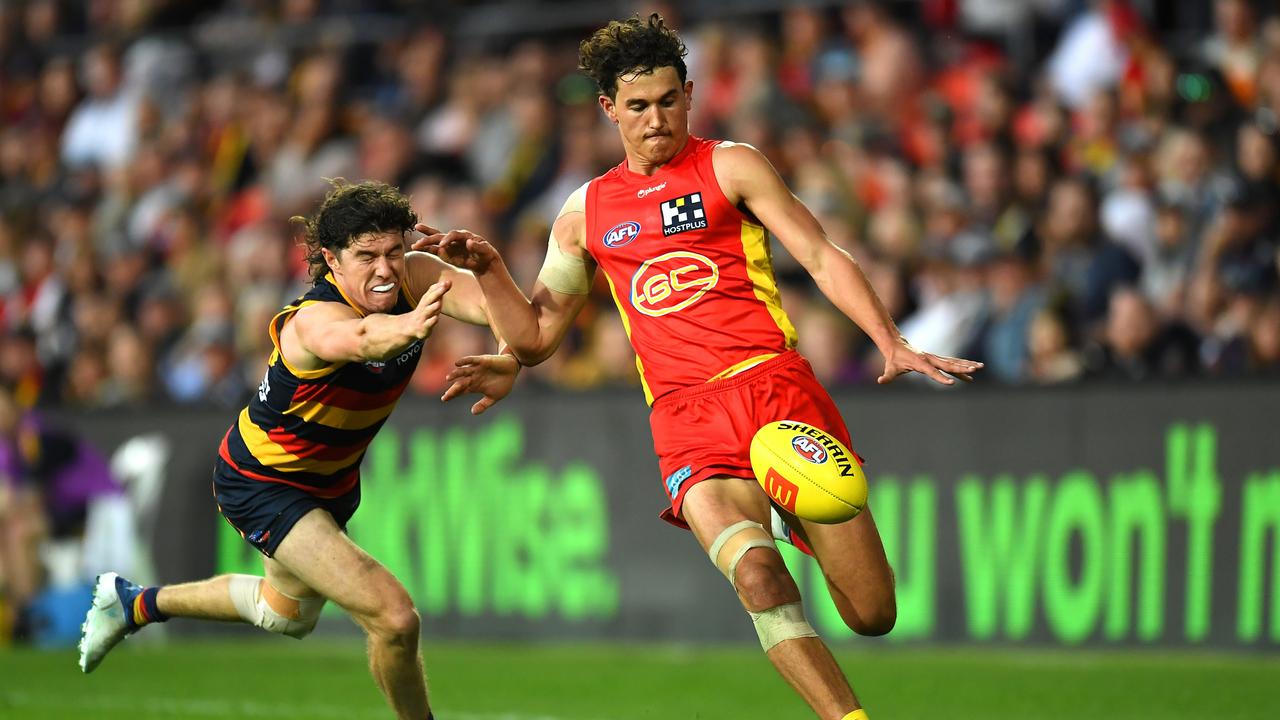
{"type": "Point", "coordinates": [508, 352]}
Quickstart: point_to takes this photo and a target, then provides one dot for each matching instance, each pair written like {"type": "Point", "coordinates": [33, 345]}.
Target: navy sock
{"type": "Point", "coordinates": [147, 602]}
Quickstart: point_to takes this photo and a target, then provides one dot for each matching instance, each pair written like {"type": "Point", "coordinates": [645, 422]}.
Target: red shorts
{"type": "Point", "coordinates": [705, 431]}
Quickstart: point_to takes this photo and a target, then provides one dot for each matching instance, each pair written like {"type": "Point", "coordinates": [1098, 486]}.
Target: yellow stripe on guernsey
{"type": "Point", "coordinates": [338, 418]}
{"type": "Point", "coordinates": [275, 457]}
{"type": "Point", "coordinates": [755, 246]}
{"type": "Point", "coordinates": [626, 325]}
{"type": "Point", "coordinates": [274, 332]}
{"type": "Point", "coordinates": [742, 366]}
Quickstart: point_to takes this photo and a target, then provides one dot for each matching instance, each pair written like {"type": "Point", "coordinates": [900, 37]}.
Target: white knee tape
{"type": "Point", "coordinates": [734, 542]}
{"type": "Point", "coordinates": [784, 622]}
{"type": "Point", "coordinates": [246, 595]}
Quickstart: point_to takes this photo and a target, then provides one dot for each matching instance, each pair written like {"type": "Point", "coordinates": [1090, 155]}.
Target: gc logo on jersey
{"type": "Point", "coordinates": [683, 214]}
{"type": "Point", "coordinates": [672, 282]}
{"type": "Point", "coordinates": [621, 234]}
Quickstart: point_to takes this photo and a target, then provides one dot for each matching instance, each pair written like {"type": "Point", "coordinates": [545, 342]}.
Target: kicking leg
{"type": "Point", "coordinates": [857, 572]}
{"type": "Point", "coordinates": [321, 557]}
{"type": "Point", "coordinates": [723, 514]}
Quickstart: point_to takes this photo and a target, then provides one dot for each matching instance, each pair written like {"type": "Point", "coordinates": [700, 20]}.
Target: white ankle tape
{"type": "Point", "coordinates": [784, 622]}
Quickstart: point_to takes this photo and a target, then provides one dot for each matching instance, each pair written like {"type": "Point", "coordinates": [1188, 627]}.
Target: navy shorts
{"type": "Point", "coordinates": [264, 512]}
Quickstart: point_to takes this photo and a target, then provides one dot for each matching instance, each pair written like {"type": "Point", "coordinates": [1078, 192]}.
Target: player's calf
{"type": "Point", "coordinates": [262, 605]}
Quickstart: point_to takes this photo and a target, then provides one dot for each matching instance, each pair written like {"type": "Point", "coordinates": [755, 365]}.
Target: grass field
{"type": "Point", "coordinates": [325, 679]}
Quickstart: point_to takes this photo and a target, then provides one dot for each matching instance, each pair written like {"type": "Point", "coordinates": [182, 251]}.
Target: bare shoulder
{"type": "Point", "coordinates": [739, 169]}
{"type": "Point", "coordinates": [570, 227]}
{"type": "Point", "coordinates": [423, 270]}
{"type": "Point", "coordinates": [315, 316]}
{"type": "Point", "coordinates": [576, 203]}
{"type": "Point", "coordinates": [729, 153]}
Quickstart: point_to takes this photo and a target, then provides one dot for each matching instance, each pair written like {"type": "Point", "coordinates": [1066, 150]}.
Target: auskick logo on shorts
{"type": "Point", "coordinates": [676, 479]}
{"type": "Point", "coordinates": [621, 234]}
{"type": "Point", "coordinates": [683, 214]}
{"type": "Point", "coordinates": [672, 282]}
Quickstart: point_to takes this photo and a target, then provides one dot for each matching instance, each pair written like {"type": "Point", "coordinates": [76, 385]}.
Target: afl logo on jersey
{"type": "Point", "coordinates": [621, 234]}
{"type": "Point", "coordinates": [672, 282]}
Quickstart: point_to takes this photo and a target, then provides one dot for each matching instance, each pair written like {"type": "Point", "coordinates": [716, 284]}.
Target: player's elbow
{"type": "Point", "coordinates": [530, 355]}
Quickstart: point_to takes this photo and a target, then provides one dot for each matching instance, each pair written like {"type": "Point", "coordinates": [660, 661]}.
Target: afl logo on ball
{"type": "Point", "coordinates": [621, 234]}
{"type": "Point", "coordinates": [809, 449]}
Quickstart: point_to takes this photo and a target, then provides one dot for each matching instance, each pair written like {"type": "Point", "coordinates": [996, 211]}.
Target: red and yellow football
{"type": "Point", "coordinates": [807, 472]}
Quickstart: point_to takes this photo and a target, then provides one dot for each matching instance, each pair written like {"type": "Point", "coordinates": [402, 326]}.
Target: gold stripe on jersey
{"type": "Point", "coordinates": [271, 455]}
{"type": "Point", "coordinates": [755, 246]}
{"type": "Point", "coordinates": [736, 368]}
{"type": "Point", "coordinates": [626, 325]}
{"type": "Point", "coordinates": [336, 417]}
{"type": "Point", "coordinates": [274, 332]}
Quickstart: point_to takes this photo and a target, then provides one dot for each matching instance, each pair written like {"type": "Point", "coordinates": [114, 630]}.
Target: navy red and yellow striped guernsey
{"type": "Point", "coordinates": [310, 428]}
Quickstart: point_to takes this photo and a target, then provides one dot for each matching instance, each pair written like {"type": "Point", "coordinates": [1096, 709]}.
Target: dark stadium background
{"type": "Point", "coordinates": [1083, 195]}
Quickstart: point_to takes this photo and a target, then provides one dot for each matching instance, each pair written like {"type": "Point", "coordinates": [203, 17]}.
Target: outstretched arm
{"type": "Point", "coordinates": [748, 179]}
{"type": "Point", "coordinates": [328, 332]}
{"type": "Point", "coordinates": [532, 327]}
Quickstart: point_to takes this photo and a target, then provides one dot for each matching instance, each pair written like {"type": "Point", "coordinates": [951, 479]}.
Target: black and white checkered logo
{"type": "Point", "coordinates": [682, 214]}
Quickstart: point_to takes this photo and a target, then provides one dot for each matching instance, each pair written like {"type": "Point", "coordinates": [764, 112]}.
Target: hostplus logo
{"type": "Point", "coordinates": [683, 214]}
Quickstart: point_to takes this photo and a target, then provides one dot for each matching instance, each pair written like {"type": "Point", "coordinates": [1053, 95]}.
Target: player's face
{"type": "Point", "coordinates": [370, 270]}
{"type": "Point", "coordinates": [652, 113]}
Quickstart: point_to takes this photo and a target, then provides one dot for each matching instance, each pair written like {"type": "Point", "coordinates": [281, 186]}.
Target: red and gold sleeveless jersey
{"type": "Point", "coordinates": [691, 274]}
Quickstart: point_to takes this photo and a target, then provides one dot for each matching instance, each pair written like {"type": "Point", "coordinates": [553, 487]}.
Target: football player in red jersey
{"type": "Point", "coordinates": [680, 230]}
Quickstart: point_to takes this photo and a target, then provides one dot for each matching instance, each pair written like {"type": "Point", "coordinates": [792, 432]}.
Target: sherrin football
{"type": "Point", "coordinates": [807, 472]}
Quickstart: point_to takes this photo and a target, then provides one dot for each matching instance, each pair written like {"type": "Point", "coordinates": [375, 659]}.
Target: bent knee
{"type": "Point", "coordinates": [763, 582]}
{"type": "Point", "coordinates": [396, 621]}
{"type": "Point", "coordinates": [874, 620]}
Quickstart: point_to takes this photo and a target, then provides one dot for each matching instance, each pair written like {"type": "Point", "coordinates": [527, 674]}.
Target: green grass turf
{"type": "Point", "coordinates": [325, 678]}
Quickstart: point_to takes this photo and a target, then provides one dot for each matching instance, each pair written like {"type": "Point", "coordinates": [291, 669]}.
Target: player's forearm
{"type": "Point", "coordinates": [380, 336]}
{"type": "Point", "coordinates": [841, 279]}
{"type": "Point", "coordinates": [511, 315]}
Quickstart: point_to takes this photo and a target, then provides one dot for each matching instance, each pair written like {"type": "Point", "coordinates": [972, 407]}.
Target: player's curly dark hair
{"type": "Point", "coordinates": [349, 211]}
{"type": "Point", "coordinates": [630, 46]}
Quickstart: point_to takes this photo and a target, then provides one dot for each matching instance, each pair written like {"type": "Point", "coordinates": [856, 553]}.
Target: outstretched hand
{"type": "Point", "coordinates": [460, 248]}
{"type": "Point", "coordinates": [942, 369]}
{"type": "Point", "coordinates": [426, 314]}
{"type": "Point", "coordinates": [492, 376]}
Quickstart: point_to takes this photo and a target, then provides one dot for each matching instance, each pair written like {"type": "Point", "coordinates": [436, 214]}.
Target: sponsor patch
{"type": "Point", "coordinates": [683, 214]}
{"type": "Point", "coordinates": [676, 479]}
{"type": "Point", "coordinates": [621, 234]}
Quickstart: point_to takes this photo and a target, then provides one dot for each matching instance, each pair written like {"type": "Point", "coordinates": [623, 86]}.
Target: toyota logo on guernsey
{"type": "Point", "coordinates": [621, 234]}
{"type": "Point", "coordinates": [672, 282]}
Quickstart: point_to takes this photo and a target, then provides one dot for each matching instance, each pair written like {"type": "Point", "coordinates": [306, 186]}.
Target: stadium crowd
{"type": "Point", "coordinates": [1101, 205]}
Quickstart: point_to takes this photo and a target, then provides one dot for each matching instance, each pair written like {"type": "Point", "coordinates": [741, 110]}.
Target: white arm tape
{"type": "Point", "coordinates": [562, 272]}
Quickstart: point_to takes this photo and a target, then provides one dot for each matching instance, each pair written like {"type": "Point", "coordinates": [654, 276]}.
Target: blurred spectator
{"type": "Point", "coordinates": [102, 130]}
{"type": "Point", "coordinates": [1137, 346]}
{"type": "Point", "coordinates": [50, 481]}
{"type": "Point", "coordinates": [984, 161]}
{"type": "Point", "coordinates": [1054, 357]}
